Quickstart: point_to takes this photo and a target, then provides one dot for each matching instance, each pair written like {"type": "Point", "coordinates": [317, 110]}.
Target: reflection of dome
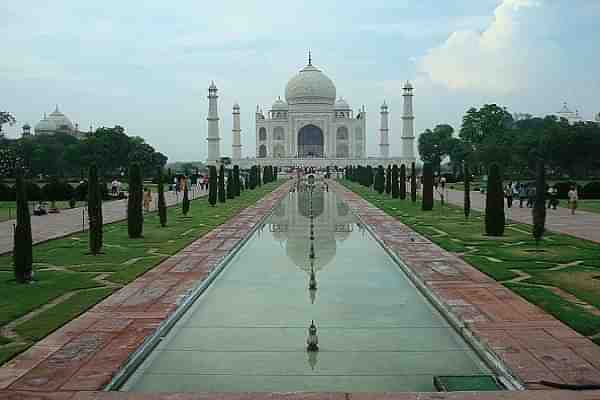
{"type": "Point", "coordinates": [318, 202]}
{"type": "Point", "coordinates": [341, 104]}
{"type": "Point", "coordinates": [298, 246]}
{"type": "Point", "coordinates": [60, 120]}
{"type": "Point", "coordinates": [310, 85]}
{"type": "Point", "coordinates": [279, 105]}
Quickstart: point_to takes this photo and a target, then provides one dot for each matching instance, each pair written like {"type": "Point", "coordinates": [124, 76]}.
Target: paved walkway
{"type": "Point", "coordinates": [52, 226]}
{"type": "Point", "coordinates": [583, 224]}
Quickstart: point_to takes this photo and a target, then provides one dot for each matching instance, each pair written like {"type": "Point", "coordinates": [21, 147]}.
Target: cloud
{"type": "Point", "coordinates": [499, 59]}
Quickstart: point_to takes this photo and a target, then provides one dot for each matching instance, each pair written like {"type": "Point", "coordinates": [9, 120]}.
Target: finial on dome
{"type": "Point", "coordinates": [309, 58]}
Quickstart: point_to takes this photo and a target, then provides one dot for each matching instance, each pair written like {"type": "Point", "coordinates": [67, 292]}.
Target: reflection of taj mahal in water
{"type": "Point", "coordinates": [313, 127]}
{"type": "Point", "coordinates": [290, 223]}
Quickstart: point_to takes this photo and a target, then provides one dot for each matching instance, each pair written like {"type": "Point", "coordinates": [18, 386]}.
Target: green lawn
{"type": "Point", "coordinates": [503, 258]}
{"type": "Point", "coordinates": [64, 268]}
{"type": "Point", "coordinates": [589, 205]}
{"type": "Point", "coordinates": [8, 208]}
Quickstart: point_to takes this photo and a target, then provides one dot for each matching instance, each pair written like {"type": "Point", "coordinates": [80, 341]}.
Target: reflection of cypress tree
{"type": "Point", "coordinates": [388, 180]}
{"type": "Point", "coordinates": [395, 187]}
{"type": "Point", "coordinates": [23, 242]}
{"type": "Point", "coordinates": [403, 182]}
{"type": "Point", "coordinates": [427, 187]}
{"type": "Point", "coordinates": [162, 204]}
{"type": "Point", "coordinates": [212, 185]}
{"type": "Point", "coordinates": [236, 181]}
{"type": "Point", "coordinates": [413, 183]}
{"type": "Point", "coordinates": [379, 184]}
{"type": "Point", "coordinates": [230, 185]}
{"type": "Point", "coordinates": [221, 186]}
{"type": "Point", "coordinates": [135, 215]}
{"type": "Point", "coordinates": [539, 207]}
{"type": "Point", "coordinates": [494, 203]}
{"type": "Point", "coordinates": [467, 200]}
{"type": "Point", "coordinates": [94, 211]}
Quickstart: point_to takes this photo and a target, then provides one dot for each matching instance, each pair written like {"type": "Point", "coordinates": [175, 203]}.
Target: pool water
{"type": "Point", "coordinates": [248, 330]}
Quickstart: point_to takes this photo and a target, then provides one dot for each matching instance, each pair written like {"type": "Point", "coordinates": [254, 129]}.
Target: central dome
{"type": "Point", "coordinates": [310, 86]}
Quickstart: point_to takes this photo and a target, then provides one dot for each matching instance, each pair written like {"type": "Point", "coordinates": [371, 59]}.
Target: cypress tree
{"type": "Point", "coordinates": [259, 180]}
{"type": "Point", "coordinates": [413, 183]}
{"type": "Point", "coordinates": [379, 184]}
{"type": "Point", "coordinates": [236, 181]}
{"type": "Point", "coordinates": [427, 204]}
{"type": "Point", "coordinates": [402, 182]}
{"type": "Point", "coordinates": [494, 204]}
{"type": "Point", "coordinates": [275, 172]}
{"type": "Point", "coordinates": [395, 187]}
{"type": "Point", "coordinates": [467, 201]}
{"type": "Point", "coordinates": [230, 185]}
{"type": "Point", "coordinates": [162, 204]}
{"type": "Point", "coordinates": [135, 214]}
{"type": "Point", "coordinates": [221, 187]}
{"type": "Point", "coordinates": [266, 174]}
{"type": "Point", "coordinates": [185, 203]}
{"type": "Point", "coordinates": [23, 241]}
{"type": "Point", "coordinates": [539, 207]}
{"type": "Point", "coordinates": [94, 211]}
{"type": "Point", "coordinates": [388, 180]}
{"type": "Point", "coordinates": [369, 178]}
{"type": "Point", "coordinates": [212, 185]}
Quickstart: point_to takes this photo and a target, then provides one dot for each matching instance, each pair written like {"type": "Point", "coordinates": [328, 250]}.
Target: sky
{"type": "Point", "coordinates": [147, 65]}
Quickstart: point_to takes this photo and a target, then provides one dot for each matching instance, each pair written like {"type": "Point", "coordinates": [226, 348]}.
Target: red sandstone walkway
{"type": "Point", "coordinates": [533, 344]}
{"type": "Point", "coordinates": [585, 225]}
{"type": "Point", "coordinates": [52, 226]}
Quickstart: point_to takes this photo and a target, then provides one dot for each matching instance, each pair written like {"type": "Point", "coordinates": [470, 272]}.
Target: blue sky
{"type": "Point", "coordinates": [147, 65]}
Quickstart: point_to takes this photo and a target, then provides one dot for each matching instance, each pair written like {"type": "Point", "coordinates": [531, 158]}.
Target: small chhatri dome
{"type": "Point", "coordinates": [236, 106]}
{"type": "Point", "coordinates": [311, 86]}
{"type": "Point", "coordinates": [279, 105]}
{"type": "Point", "coordinates": [408, 85]}
{"type": "Point", "coordinates": [341, 104]}
{"type": "Point", "coordinates": [26, 126]}
{"type": "Point", "coordinates": [384, 106]}
{"type": "Point", "coordinates": [212, 85]}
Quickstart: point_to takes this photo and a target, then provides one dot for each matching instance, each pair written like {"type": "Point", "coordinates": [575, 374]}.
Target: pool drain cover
{"type": "Point", "coordinates": [458, 383]}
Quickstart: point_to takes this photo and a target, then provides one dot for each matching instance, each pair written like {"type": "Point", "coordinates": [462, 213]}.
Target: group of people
{"type": "Point", "coordinates": [526, 193]}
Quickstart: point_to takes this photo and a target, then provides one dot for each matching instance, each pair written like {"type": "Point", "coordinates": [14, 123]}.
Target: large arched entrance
{"type": "Point", "coordinates": [310, 141]}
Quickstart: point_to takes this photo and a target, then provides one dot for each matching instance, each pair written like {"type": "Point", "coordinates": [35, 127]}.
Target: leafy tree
{"type": "Point", "coordinates": [388, 180]}
{"type": "Point", "coordinates": [185, 203]}
{"type": "Point", "coordinates": [95, 211]}
{"type": "Point", "coordinates": [212, 185]}
{"type": "Point", "coordinates": [23, 241]}
{"type": "Point", "coordinates": [402, 189]}
{"type": "Point", "coordinates": [221, 187]}
{"type": "Point", "coordinates": [379, 184]}
{"type": "Point", "coordinates": [395, 188]}
{"type": "Point", "coordinates": [427, 204]}
{"type": "Point", "coordinates": [436, 144]}
{"type": "Point", "coordinates": [539, 206]}
{"type": "Point", "coordinates": [494, 204]}
{"type": "Point", "coordinates": [467, 189]}
{"type": "Point", "coordinates": [236, 180]}
{"type": "Point", "coordinates": [135, 214]}
{"type": "Point", "coordinates": [230, 185]}
{"type": "Point", "coordinates": [162, 204]}
{"type": "Point", "coordinates": [6, 118]}
{"type": "Point", "coordinates": [413, 183]}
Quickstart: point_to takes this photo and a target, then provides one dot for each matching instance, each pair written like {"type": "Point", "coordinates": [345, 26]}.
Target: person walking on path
{"type": "Point", "coordinates": [147, 199]}
{"type": "Point", "coordinates": [573, 198]}
{"type": "Point", "coordinates": [508, 193]}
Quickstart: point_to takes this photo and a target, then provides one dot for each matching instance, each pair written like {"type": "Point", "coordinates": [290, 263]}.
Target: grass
{"type": "Point", "coordinates": [64, 266]}
{"type": "Point", "coordinates": [589, 205]}
{"type": "Point", "coordinates": [8, 209]}
{"type": "Point", "coordinates": [502, 257]}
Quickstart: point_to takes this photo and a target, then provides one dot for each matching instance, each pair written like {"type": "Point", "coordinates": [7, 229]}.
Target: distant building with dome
{"type": "Point", "coordinates": [312, 126]}
{"type": "Point", "coordinates": [53, 123]}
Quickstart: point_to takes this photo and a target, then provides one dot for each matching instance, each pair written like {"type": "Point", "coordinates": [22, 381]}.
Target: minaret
{"type": "Point", "coordinates": [408, 128]}
{"type": "Point", "coordinates": [384, 145]}
{"type": "Point", "coordinates": [237, 143]}
{"type": "Point", "coordinates": [213, 138]}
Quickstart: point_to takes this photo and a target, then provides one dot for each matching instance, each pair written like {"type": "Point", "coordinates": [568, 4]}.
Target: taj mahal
{"type": "Point", "coordinates": [312, 127]}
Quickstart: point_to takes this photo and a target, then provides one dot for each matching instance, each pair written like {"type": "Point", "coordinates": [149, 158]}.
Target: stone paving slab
{"type": "Point", "coordinates": [584, 225]}
{"type": "Point", "coordinates": [53, 226]}
{"type": "Point", "coordinates": [533, 344]}
{"type": "Point", "coordinates": [87, 352]}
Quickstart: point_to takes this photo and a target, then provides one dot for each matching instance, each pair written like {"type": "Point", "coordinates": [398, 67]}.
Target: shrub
{"type": "Point", "coordinates": [413, 183]}
{"type": "Point", "coordinates": [591, 191]}
{"type": "Point", "coordinates": [95, 211]}
{"type": "Point", "coordinates": [539, 206]}
{"type": "Point", "coordinates": [81, 191]}
{"type": "Point", "coordinates": [402, 188]}
{"type": "Point", "coordinates": [467, 190]}
{"type": "Point", "coordinates": [395, 188]}
{"type": "Point", "coordinates": [379, 184]}
{"type": "Point", "coordinates": [494, 204]}
{"type": "Point", "coordinates": [34, 192]}
{"type": "Point", "coordinates": [236, 180]}
{"type": "Point", "coordinates": [562, 189]}
{"type": "Point", "coordinates": [221, 186]}
{"type": "Point", "coordinates": [162, 204]}
{"type": "Point", "coordinates": [212, 185]}
{"type": "Point", "coordinates": [185, 203]}
{"type": "Point", "coordinates": [388, 180]}
{"type": "Point", "coordinates": [135, 214]}
{"type": "Point", "coordinates": [23, 241]}
{"type": "Point", "coordinates": [57, 190]}
{"type": "Point", "coordinates": [230, 185]}
{"type": "Point", "coordinates": [427, 204]}
{"type": "Point", "coordinates": [7, 193]}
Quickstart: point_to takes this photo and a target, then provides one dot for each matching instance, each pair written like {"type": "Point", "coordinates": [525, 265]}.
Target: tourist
{"type": "Point", "coordinates": [530, 196]}
{"type": "Point", "coordinates": [114, 187]}
{"type": "Point", "coordinates": [573, 198]}
{"type": "Point", "coordinates": [552, 197]}
{"type": "Point", "coordinates": [508, 194]}
{"type": "Point", "coordinates": [147, 199]}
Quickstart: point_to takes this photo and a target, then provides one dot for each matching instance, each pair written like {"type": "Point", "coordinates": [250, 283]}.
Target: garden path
{"type": "Point", "coordinates": [52, 226]}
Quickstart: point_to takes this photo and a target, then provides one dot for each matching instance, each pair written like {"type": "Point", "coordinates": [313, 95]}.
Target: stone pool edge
{"type": "Point", "coordinates": [531, 343]}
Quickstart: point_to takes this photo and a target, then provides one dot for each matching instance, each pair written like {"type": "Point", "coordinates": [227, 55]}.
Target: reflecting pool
{"type": "Point", "coordinates": [248, 330]}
